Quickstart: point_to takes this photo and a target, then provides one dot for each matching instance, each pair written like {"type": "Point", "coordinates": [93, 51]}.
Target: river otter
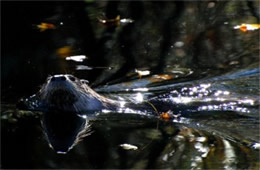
{"type": "Point", "coordinates": [70, 94]}
{"type": "Point", "coordinates": [66, 93]}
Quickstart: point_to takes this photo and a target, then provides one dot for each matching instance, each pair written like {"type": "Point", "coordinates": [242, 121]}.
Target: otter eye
{"type": "Point", "coordinates": [72, 78]}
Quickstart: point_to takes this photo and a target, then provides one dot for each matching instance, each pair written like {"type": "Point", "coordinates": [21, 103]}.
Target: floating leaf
{"type": "Point", "coordinates": [128, 146]}
{"type": "Point", "coordinates": [142, 73]}
{"type": "Point", "coordinates": [161, 77]}
{"type": "Point", "coordinates": [64, 51]}
{"type": "Point", "coordinates": [45, 26]}
{"type": "Point", "coordinates": [165, 116]}
{"type": "Point", "coordinates": [247, 27]}
{"type": "Point", "coordinates": [77, 58]}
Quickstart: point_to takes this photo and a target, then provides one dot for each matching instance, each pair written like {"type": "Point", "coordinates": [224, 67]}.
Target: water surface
{"type": "Point", "coordinates": [185, 58]}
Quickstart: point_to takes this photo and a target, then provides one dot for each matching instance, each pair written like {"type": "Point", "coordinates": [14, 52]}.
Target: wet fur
{"type": "Point", "coordinates": [73, 96]}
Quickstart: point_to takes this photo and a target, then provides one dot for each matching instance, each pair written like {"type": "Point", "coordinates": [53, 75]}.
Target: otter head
{"type": "Point", "coordinates": [68, 93]}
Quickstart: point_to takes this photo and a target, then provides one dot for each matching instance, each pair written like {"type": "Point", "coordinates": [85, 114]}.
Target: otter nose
{"type": "Point", "coordinates": [58, 78]}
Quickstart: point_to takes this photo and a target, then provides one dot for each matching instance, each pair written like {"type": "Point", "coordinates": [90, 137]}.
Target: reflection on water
{"type": "Point", "coordinates": [183, 144]}
{"type": "Point", "coordinates": [64, 130]}
{"type": "Point", "coordinates": [195, 63]}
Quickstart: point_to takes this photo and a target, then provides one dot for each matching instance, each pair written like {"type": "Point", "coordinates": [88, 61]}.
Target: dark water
{"type": "Point", "coordinates": [201, 69]}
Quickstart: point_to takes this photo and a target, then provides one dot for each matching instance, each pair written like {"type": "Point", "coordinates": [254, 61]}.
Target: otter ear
{"type": "Point", "coordinates": [84, 81]}
{"type": "Point", "coordinates": [49, 77]}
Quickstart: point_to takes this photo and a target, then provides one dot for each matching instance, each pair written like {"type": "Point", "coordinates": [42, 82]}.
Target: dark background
{"type": "Point", "coordinates": [211, 47]}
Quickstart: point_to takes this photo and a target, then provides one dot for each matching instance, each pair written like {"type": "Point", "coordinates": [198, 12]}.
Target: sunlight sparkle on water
{"type": "Point", "coordinates": [195, 161]}
{"type": "Point", "coordinates": [220, 99]}
{"type": "Point", "coordinates": [208, 99]}
{"type": "Point", "coordinates": [230, 156]}
{"type": "Point", "coordinates": [139, 97]}
{"type": "Point", "coordinates": [106, 111]}
{"type": "Point", "coordinates": [201, 139]}
{"type": "Point", "coordinates": [122, 103]}
{"type": "Point", "coordinates": [205, 85]}
{"type": "Point", "coordinates": [204, 150]}
{"type": "Point", "coordinates": [219, 92]}
{"type": "Point", "coordinates": [181, 99]}
{"type": "Point", "coordinates": [141, 89]}
{"type": "Point", "coordinates": [247, 101]}
{"type": "Point", "coordinates": [256, 146]}
{"type": "Point", "coordinates": [224, 107]}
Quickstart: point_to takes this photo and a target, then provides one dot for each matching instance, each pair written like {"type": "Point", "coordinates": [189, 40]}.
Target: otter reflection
{"type": "Point", "coordinates": [64, 130]}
